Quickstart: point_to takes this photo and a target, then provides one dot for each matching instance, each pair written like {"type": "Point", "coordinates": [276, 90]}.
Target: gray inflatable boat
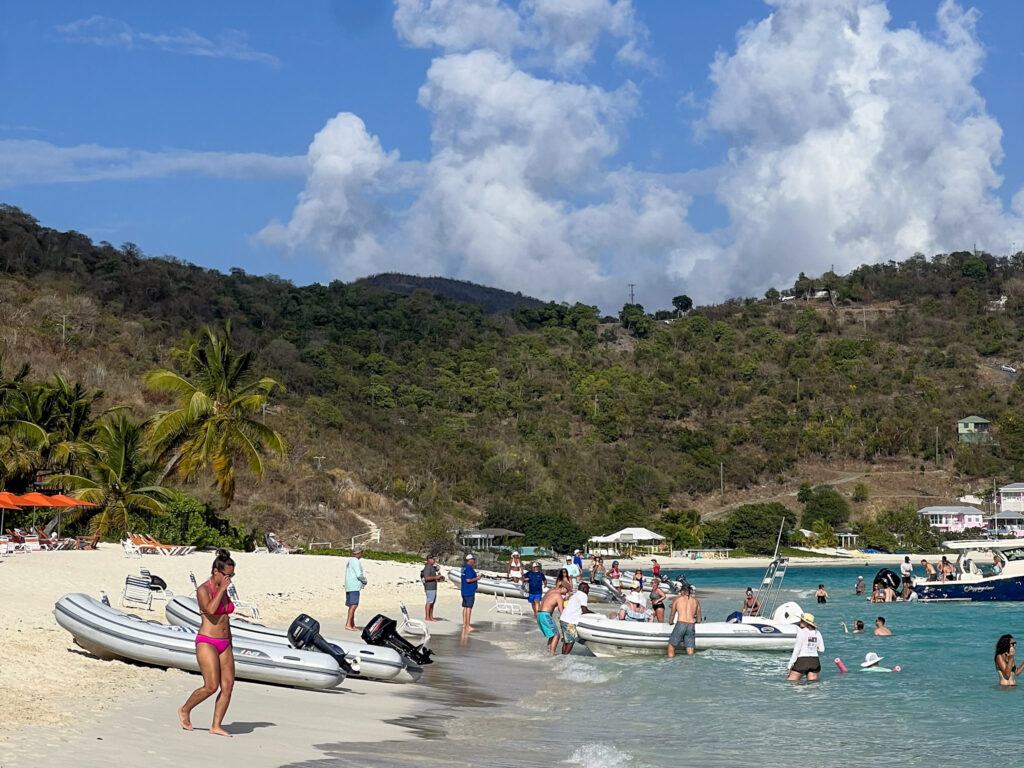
{"type": "Point", "coordinates": [374, 662]}
{"type": "Point", "coordinates": [113, 634]}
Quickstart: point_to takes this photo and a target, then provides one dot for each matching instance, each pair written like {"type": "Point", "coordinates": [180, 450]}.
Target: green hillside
{"type": "Point", "coordinates": [430, 412]}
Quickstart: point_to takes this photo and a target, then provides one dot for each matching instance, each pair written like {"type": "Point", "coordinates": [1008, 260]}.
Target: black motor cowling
{"type": "Point", "coordinates": [304, 634]}
{"type": "Point", "coordinates": [383, 631]}
{"type": "Point", "coordinates": [887, 578]}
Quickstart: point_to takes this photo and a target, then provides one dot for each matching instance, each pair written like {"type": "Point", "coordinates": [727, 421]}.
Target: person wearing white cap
{"type": "Point", "coordinates": [575, 572]}
{"type": "Point", "coordinates": [515, 568]}
{"type": "Point", "coordinates": [809, 644]}
{"type": "Point", "coordinates": [870, 663]}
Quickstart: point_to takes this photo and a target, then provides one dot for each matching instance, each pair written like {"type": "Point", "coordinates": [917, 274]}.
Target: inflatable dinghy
{"type": "Point", "coordinates": [110, 633]}
{"type": "Point", "coordinates": [375, 662]}
{"type": "Point", "coordinates": [612, 637]}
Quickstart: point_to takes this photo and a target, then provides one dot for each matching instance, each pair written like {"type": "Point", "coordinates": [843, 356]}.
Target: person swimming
{"type": "Point", "coordinates": [213, 645]}
{"type": "Point", "coordinates": [821, 594]}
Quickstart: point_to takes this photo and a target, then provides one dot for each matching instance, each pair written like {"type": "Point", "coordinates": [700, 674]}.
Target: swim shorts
{"type": "Point", "coordinates": [431, 596]}
{"type": "Point", "coordinates": [806, 664]}
{"type": "Point", "coordinates": [535, 597]}
{"type": "Point", "coordinates": [546, 624]}
{"type": "Point", "coordinates": [352, 598]}
{"type": "Point", "coordinates": [684, 634]}
{"type": "Point", "coordinates": [468, 600]}
{"type": "Point", "coordinates": [569, 633]}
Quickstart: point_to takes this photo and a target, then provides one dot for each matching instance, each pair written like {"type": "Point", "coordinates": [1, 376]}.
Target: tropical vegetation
{"type": "Point", "coordinates": [546, 418]}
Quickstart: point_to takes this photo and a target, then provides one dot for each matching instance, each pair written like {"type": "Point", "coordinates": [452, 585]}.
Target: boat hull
{"type": "Point", "coordinates": [1009, 589]}
{"type": "Point", "coordinates": [611, 637]}
{"type": "Point", "coordinates": [375, 662]}
{"type": "Point", "coordinates": [110, 633]}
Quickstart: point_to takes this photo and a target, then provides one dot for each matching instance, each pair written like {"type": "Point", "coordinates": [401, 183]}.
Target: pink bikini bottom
{"type": "Point", "coordinates": [220, 643]}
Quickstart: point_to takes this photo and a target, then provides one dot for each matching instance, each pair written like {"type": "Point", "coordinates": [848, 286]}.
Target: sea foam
{"type": "Point", "coordinates": [600, 756]}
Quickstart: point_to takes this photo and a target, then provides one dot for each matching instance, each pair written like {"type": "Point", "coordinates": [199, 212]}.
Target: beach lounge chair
{"type": "Point", "coordinates": [243, 606]}
{"type": "Point", "coordinates": [413, 626]}
{"type": "Point", "coordinates": [6, 548]}
{"type": "Point", "coordinates": [503, 605]}
{"type": "Point", "coordinates": [88, 542]}
{"type": "Point", "coordinates": [158, 592]}
{"type": "Point", "coordinates": [142, 544]}
{"type": "Point", "coordinates": [137, 592]}
{"type": "Point", "coordinates": [130, 550]}
{"type": "Point", "coordinates": [167, 549]}
{"type": "Point", "coordinates": [30, 543]}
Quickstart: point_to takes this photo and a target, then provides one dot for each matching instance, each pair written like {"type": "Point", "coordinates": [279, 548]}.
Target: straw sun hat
{"type": "Point", "coordinates": [808, 618]}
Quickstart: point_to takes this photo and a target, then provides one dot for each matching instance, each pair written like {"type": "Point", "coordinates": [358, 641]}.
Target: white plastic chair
{"type": "Point", "coordinates": [5, 546]}
{"type": "Point", "coordinates": [413, 626]}
{"type": "Point", "coordinates": [243, 606]}
{"type": "Point", "coordinates": [130, 550]}
{"type": "Point", "coordinates": [137, 592]}
{"type": "Point", "coordinates": [503, 605]}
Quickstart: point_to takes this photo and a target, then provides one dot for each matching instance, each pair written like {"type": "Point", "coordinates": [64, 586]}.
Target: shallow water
{"type": "Point", "coordinates": [727, 708]}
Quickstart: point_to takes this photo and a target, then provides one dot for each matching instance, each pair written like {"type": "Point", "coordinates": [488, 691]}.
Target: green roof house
{"type": "Point", "coordinates": [974, 429]}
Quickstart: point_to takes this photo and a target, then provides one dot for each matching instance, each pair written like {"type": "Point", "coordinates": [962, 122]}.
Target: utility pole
{"type": "Point", "coordinates": [319, 462]}
{"type": "Point", "coordinates": [721, 477]}
{"type": "Point", "coordinates": [632, 298]}
{"type": "Point", "coordinates": [798, 391]}
{"type": "Point", "coordinates": [936, 447]}
{"type": "Point", "coordinates": [63, 330]}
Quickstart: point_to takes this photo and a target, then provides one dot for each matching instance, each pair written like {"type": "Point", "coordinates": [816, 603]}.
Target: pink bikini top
{"type": "Point", "coordinates": [226, 606]}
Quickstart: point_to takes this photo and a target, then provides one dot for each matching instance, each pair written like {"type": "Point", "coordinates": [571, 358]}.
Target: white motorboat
{"type": "Point", "coordinates": [110, 633]}
{"type": "Point", "coordinates": [374, 662]}
{"type": "Point", "coordinates": [979, 583]}
{"type": "Point", "coordinates": [612, 637]}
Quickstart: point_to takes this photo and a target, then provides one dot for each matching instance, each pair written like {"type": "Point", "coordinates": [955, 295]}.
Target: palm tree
{"type": "Point", "coordinates": [119, 476]}
{"type": "Point", "coordinates": [219, 394]}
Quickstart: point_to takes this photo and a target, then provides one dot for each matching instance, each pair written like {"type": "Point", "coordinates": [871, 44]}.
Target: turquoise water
{"type": "Point", "coordinates": [726, 708]}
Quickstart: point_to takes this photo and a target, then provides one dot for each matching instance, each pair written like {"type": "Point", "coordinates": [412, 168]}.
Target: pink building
{"type": "Point", "coordinates": [952, 519]}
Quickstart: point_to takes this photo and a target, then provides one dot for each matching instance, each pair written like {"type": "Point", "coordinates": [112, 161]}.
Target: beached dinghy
{"type": "Point", "coordinates": [110, 633]}
{"type": "Point", "coordinates": [611, 637]}
{"type": "Point", "coordinates": [375, 662]}
{"type": "Point", "coordinates": [493, 585]}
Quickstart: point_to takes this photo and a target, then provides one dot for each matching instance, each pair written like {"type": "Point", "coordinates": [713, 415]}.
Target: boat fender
{"type": "Point", "coordinates": [897, 668]}
{"type": "Point", "coordinates": [839, 663]}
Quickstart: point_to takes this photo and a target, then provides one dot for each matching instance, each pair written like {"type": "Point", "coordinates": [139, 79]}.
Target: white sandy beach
{"type": "Point", "coordinates": [49, 681]}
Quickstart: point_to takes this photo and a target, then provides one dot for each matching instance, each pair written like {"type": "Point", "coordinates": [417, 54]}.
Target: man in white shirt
{"type": "Point", "coordinates": [575, 574]}
{"type": "Point", "coordinates": [574, 608]}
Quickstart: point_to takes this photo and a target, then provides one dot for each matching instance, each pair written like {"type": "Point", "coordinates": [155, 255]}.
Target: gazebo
{"type": "Point", "coordinates": [486, 539]}
{"type": "Point", "coordinates": [632, 540]}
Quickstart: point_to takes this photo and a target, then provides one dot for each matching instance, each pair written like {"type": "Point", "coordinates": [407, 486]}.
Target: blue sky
{"type": "Point", "coordinates": [187, 128]}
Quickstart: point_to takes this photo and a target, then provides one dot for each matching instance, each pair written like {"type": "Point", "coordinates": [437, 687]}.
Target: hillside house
{"type": "Point", "coordinates": [974, 429]}
{"type": "Point", "coordinates": [952, 519]}
{"type": "Point", "coordinates": [1011, 498]}
{"type": "Point", "coordinates": [1006, 524]}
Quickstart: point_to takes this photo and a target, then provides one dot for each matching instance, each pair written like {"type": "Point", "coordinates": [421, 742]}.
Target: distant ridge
{"type": "Point", "coordinates": [491, 300]}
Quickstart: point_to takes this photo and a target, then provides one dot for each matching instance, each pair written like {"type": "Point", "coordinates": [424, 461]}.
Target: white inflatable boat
{"type": "Point", "coordinates": [494, 585]}
{"type": "Point", "coordinates": [110, 633]}
{"type": "Point", "coordinates": [375, 662]}
{"type": "Point", "coordinates": [611, 637]}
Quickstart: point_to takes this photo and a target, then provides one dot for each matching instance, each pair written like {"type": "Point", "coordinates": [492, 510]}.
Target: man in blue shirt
{"type": "Point", "coordinates": [468, 580]}
{"type": "Point", "coordinates": [535, 586]}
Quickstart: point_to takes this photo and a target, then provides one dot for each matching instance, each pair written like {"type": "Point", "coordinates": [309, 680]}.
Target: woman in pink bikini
{"type": "Point", "coordinates": [213, 645]}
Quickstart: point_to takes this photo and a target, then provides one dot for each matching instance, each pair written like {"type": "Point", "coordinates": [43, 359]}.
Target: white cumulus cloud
{"type": "Point", "coordinates": [851, 141]}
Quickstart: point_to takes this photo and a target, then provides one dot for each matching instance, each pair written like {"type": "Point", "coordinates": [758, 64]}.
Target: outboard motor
{"type": "Point", "coordinates": [887, 578]}
{"type": "Point", "coordinates": [614, 592]}
{"type": "Point", "coordinates": [383, 631]}
{"type": "Point", "coordinates": [304, 634]}
{"type": "Point", "coordinates": [677, 584]}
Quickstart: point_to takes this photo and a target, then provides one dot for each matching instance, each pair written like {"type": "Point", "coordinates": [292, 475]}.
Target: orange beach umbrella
{"type": "Point", "coordinates": [6, 502]}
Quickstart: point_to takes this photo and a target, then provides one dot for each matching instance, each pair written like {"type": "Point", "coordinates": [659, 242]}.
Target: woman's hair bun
{"type": "Point", "coordinates": [223, 553]}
